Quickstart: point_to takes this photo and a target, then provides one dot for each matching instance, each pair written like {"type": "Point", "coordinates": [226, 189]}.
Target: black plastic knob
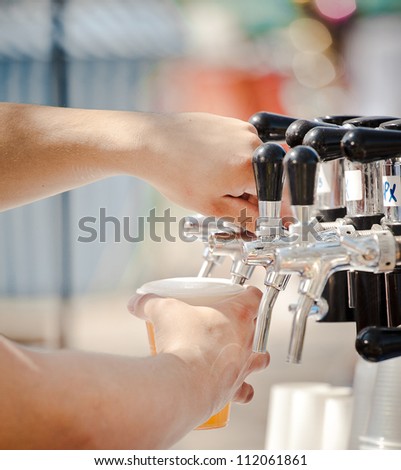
{"type": "Point", "coordinates": [301, 165]}
{"type": "Point", "coordinates": [378, 344]}
{"type": "Point", "coordinates": [326, 141]}
{"type": "Point", "coordinates": [394, 125]}
{"type": "Point", "coordinates": [336, 119]}
{"type": "Point", "coordinates": [268, 169]}
{"type": "Point", "coordinates": [271, 126]}
{"type": "Point", "coordinates": [369, 121]}
{"type": "Point", "coordinates": [370, 145]}
{"type": "Point", "coordinates": [298, 129]}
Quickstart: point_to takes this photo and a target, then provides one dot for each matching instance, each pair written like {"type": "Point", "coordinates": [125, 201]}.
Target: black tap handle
{"type": "Point", "coordinates": [368, 121]}
{"type": "Point", "coordinates": [301, 165]}
{"type": "Point", "coordinates": [267, 162]}
{"type": "Point", "coordinates": [297, 130]}
{"type": "Point", "coordinates": [271, 126]}
{"type": "Point", "coordinates": [394, 125]}
{"type": "Point", "coordinates": [377, 344]}
{"type": "Point", "coordinates": [336, 119]}
{"type": "Point", "coordinates": [370, 145]}
{"type": "Point", "coordinates": [326, 141]}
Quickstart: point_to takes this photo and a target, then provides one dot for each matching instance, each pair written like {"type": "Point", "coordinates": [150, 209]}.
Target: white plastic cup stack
{"type": "Point", "coordinates": [308, 416]}
{"type": "Point", "coordinates": [337, 419]}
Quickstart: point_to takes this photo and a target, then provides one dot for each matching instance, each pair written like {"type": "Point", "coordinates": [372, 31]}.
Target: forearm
{"type": "Point", "coordinates": [198, 160]}
{"type": "Point", "coordinates": [78, 400]}
{"type": "Point", "coordinates": [47, 150]}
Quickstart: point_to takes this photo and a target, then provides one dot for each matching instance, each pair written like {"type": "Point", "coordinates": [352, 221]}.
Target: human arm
{"type": "Point", "coordinates": [198, 160]}
{"type": "Point", "coordinates": [80, 400]}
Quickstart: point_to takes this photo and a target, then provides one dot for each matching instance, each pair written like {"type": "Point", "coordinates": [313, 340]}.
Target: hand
{"type": "Point", "coordinates": [215, 342]}
{"type": "Point", "coordinates": [203, 162]}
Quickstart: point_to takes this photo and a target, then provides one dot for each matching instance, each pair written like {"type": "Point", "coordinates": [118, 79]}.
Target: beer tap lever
{"type": "Point", "coordinates": [378, 344]}
{"type": "Point", "coordinates": [268, 169]}
{"type": "Point", "coordinates": [271, 126]}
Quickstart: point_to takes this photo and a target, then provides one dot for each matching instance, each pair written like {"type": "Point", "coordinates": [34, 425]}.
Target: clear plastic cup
{"type": "Point", "coordinates": [384, 423]}
{"type": "Point", "coordinates": [363, 386]}
{"type": "Point", "coordinates": [194, 291]}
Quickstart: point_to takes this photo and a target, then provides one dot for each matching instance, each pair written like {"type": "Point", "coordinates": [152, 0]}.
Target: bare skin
{"type": "Point", "coordinates": [198, 160]}
{"type": "Point", "coordinates": [77, 400]}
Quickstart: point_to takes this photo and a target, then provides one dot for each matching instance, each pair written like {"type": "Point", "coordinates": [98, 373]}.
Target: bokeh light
{"type": "Point", "coordinates": [313, 69]}
{"type": "Point", "coordinates": [336, 10]}
{"type": "Point", "coordinates": [309, 35]}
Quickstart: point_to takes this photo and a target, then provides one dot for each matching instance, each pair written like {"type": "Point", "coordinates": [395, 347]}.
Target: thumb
{"type": "Point", "coordinates": [140, 305]}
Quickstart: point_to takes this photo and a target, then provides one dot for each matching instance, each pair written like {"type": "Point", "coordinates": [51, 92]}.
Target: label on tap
{"type": "Point", "coordinates": [391, 191]}
{"type": "Point", "coordinates": [353, 185]}
{"type": "Point", "coordinates": [323, 180]}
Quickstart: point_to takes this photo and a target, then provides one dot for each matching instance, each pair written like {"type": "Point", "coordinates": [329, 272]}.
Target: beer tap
{"type": "Point", "coordinates": [267, 164]}
{"type": "Point", "coordinates": [301, 166]}
{"type": "Point", "coordinates": [364, 209]}
{"type": "Point", "coordinates": [200, 227]}
{"type": "Point", "coordinates": [331, 208]}
{"type": "Point", "coordinates": [370, 145]}
{"type": "Point", "coordinates": [317, 254]}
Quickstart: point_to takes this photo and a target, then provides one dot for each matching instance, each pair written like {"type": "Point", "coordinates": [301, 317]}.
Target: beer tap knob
{"type": "Point", "coordinates": [394, 125]}
{"type": "Point", "coordinates": [336, 119]}
{"type": "Point", "coordinates": [298, 129]}
{"type": "Point", "coordinates": [378, 344]}
{"type": "Point", "coordinates": [267, 162]}
{"type": "Point", "coordinates": [271, 126]}
{"type": "Point", "coordinates": [301, 165]}
{"type": "Point", "coordinates": [326, 141]}
{"type": "Point", "coordinates": [368, 121]}
{"type": "Point", "coordinates": [371, 145]}
{"type": "Point", "coordinates": [269, 171]}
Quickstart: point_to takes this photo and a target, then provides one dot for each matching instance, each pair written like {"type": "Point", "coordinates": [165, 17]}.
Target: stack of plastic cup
{"type": "Point", "coordinates": [363, 386]}
{"type": "Point", "coordinates": [308, 416]}
{"type": "Point", "coordinates": [309, 430]}
{"type": "Point", "coordinates": [281, 412]}
{"type": "Point", "coordinates": [384, 424]}
{"type": "Point", "coordinates": [337, 419]}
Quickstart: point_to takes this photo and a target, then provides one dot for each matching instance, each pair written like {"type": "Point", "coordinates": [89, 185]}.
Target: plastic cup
{"type": "Point", "coordinates": [286, 422]}
{"type": "Point", "coordinates": [363, 386]}
{"type": "Point", "coordinates": [194, 291]}
{"type": "Point", "coordinates": [337, 419]}
{"type": "Point", "coordinates": [384, 423]}
{"type": "Point", "coordinates": [307, 417]}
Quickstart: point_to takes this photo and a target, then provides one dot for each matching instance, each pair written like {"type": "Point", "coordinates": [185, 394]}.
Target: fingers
{"type": "Point", "coordinates": [244, 394]}
{"type": "Point", "coordinates": [243, 211]}
{"type": "Point", "coordinates": [258, 362]}
{"type": "Point", "coordinates": [142, 305]}
{"type": "Point", "coordinates": [245, 304]}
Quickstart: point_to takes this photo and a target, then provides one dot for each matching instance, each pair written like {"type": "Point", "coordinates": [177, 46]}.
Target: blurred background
{"type": "Point", "coordinates": [304, 58]}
